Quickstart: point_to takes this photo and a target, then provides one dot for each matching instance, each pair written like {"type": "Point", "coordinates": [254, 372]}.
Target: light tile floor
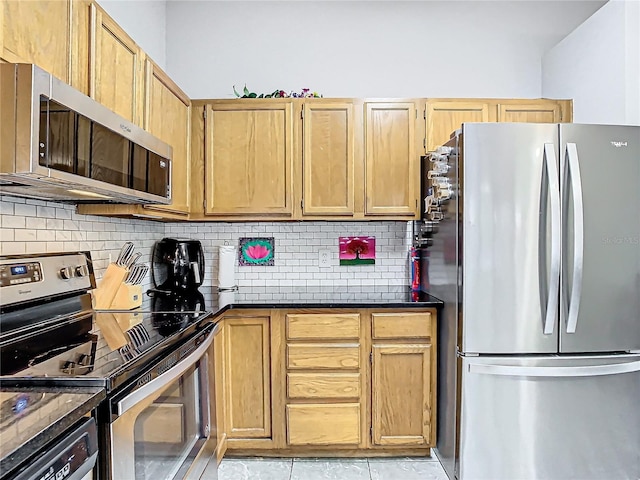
{"type": "Point", "coordinates": [404, 468]}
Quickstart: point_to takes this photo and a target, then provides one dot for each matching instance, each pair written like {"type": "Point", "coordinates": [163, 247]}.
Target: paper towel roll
{"type": "Point", "coordinates": [226, 298]}
{"type": "Point", "coordinates": [227, 266]}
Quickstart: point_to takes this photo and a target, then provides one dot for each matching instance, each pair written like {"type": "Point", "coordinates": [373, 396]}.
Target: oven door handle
{"type": "Point", "coordinates": [167, 377]}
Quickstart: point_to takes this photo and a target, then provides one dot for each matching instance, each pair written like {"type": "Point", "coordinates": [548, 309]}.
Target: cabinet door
{"type": "Point", "coordinates": [391, 165]}
{"type": "Point", "coordinates": [443, 118]}
{"type": "Point", "coordinates": [401, 391]}
{"type": "Point", "coordinates": [247, 375]}
{"type": "Point", "coordinates": [219, 389]}
{"type": "Point", "coordinates": [539, 112]}
{"type": "Point", "coordinates": [37, 32]}
{"type": "Point", "coordinates": [248, 158]}
{"type": "Point", "coordinates": [167, 116]}
{"type": "Point", "coordinates": [327, 157]}
{"type": "Point", "coordinates": [116, 67]}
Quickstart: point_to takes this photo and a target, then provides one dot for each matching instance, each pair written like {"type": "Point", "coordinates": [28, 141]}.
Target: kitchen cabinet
{"type": "Point", "coordinates": [38, 32]}
{"type": "Point", "coordinates": [251, 353]}
{"type": "Point", "coordinates": [248, 158]}
{"type": "Point", "coordinates": [167, 115]}
{"type": "Point", "coordinates": [328, 158]}
{"type": "Point", "coordinates": [116, 67]}
{"type": "Point", "coordinates": [444, 116]}
{"type": "Point", "coordinates": [343, 382]}
{"type": "Point", "coordinates": [306, 159]}
{"type": "Point", "coordinates": [403, 367]}
{"type": "Point", "coordinates": [539, 112]}
{"type": "Point", "coordinates": [391, 164]}
{"type": "Point", "coordinates": [218, 380]}
{"type": "Point", "coordinates": [325, 370]}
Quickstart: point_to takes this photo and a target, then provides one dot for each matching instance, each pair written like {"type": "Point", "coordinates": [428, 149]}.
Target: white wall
{"type": "Point", "coordinates": [145, 21]}
{"type": "Point", "coordinates": [366, 49]}
{"type": "Point", "coordinates": [597, 66]}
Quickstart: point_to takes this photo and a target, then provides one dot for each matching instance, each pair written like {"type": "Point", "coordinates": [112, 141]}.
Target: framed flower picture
{"type": "Point", "coordinates": [255, 251]}
{"type": "Point", "coordinates": [357, 250]}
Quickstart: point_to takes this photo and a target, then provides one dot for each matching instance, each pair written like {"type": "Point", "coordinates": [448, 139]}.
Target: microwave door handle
{"type": "Point", "coordinates": [578, 237]}
{"type": "Point", "coordinates": [166, 378]}
{"type": "Point", "coordinates": [553, 174]}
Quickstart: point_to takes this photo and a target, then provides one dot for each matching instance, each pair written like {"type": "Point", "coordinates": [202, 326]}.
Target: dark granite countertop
{"type": "Point", "coordinates": [31, 417]}
{"type": "Point", "coordinates": [364, 297]}
{"type": "Point", "coordinates": [294, 297]}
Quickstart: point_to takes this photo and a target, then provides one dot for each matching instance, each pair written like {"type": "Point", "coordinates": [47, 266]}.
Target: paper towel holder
{"type": "Point", "coordinates": [228, 289]}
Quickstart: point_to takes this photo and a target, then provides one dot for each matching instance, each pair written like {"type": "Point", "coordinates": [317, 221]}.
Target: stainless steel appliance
{"type": "Point", "coordinates": [537, 257]}
{"type": "Point", "coordinates": [158, 419]}
{"type": "Point", "coordinates": [178, 265]}
{"type": "Point", "coordinates": [58, 144]}
{"type": "Point", "coordinates": [71, 456]}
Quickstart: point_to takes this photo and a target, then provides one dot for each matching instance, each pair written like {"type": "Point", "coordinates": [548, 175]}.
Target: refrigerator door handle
{"type": "Point", "coordinates": [578, 237]}
{"type": "Point", "coordinates": [553, 174]}
{"type": "Point", "coordinates": [582, 371]}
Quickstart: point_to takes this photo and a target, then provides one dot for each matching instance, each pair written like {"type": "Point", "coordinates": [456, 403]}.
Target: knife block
{"type": "Point", "coordinates": [127, 297]}
{"type": "Point", "coordinates": [109, 286]}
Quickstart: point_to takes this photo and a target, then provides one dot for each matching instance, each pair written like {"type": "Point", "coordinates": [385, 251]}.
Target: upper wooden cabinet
{"type": "Point", "coordinates": [116, 67]}
{"type": "Point", "coordinates": [168, 117]}
{"type": "Point", "coordinates": [444, 116]}
{"type": "Point", "coordinates": [38, 32]}
{"type": "Point", "coordinates": [307, 159]}
{"type": "Point", "coordinates": [542, 112]}
{"type": "Point", "coordinates": [391, 164]}
{"type": "Point", "coordinates": [328, 157]}
{"type": "Point", "coordinates": [248, 158]}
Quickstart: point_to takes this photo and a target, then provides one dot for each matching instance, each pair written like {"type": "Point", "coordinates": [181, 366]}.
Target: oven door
{"type": "Point", "coordinates": [163, 426]}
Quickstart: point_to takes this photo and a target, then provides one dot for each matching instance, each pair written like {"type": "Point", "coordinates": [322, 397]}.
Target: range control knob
{"type": "Point", "coordinates": [66, 273]}
{"type": "Point", "coordinates": [82, 271]}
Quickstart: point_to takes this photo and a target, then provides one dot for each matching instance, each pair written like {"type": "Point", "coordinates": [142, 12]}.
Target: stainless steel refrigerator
{"type": "Point", "coordinates": [538, 261]}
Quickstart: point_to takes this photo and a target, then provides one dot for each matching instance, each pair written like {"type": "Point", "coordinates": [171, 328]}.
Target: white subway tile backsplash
{"type": "Point", "coordinates": [58, 228]}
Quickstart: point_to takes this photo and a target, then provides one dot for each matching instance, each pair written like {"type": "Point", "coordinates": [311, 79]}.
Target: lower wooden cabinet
{"type": "Point", "coordinates": [328, 382]}
{"type": "Point", "coordinates": [401, 394]}
{"type": "Point", "coordinates": [323, 424]}
{"type": "Point", "coordinates": [247, 371]}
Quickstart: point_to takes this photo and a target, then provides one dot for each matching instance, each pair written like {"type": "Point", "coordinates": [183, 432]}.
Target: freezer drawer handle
{"type": "Point", "coordinates": [584, 371]}
{"type": "Point", "coordinates": [551, 166]}
{"type": "Point", "coordinates": [578, 237]}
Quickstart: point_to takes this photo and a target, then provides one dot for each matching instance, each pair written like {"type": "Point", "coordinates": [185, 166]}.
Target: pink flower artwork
{"type": "Point", "coordinates": [256, 251]}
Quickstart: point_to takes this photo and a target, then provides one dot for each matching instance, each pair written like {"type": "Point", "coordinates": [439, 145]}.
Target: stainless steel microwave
{"type": "Point", "coordinates": [58, 144]}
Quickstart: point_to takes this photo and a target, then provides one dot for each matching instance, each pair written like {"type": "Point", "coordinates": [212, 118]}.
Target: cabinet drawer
{"type": "Point", "coordinates": [401, 325]}
{"type": "Point", "coordinates": [308, 326]}
{"type": "Point", "coordinates": [313, 424]}
{"type": "Point", "coordinates": [323, 385]}
{"type": "Point", "coordinates": [323, 356]}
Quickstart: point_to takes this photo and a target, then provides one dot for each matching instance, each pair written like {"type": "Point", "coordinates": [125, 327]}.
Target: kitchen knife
{"type": "Point", "coordinates": [133, 259]}
{"type": "Point", "coordinates": [125, 253]}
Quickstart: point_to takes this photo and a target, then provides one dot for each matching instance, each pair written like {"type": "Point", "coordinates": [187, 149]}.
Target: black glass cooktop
{"type": "Point", "coordinates": [101, 347]}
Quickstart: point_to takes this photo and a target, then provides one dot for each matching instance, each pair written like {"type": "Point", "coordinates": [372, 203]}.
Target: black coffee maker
{"type": "Point", "coordinates": [178, 265]}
